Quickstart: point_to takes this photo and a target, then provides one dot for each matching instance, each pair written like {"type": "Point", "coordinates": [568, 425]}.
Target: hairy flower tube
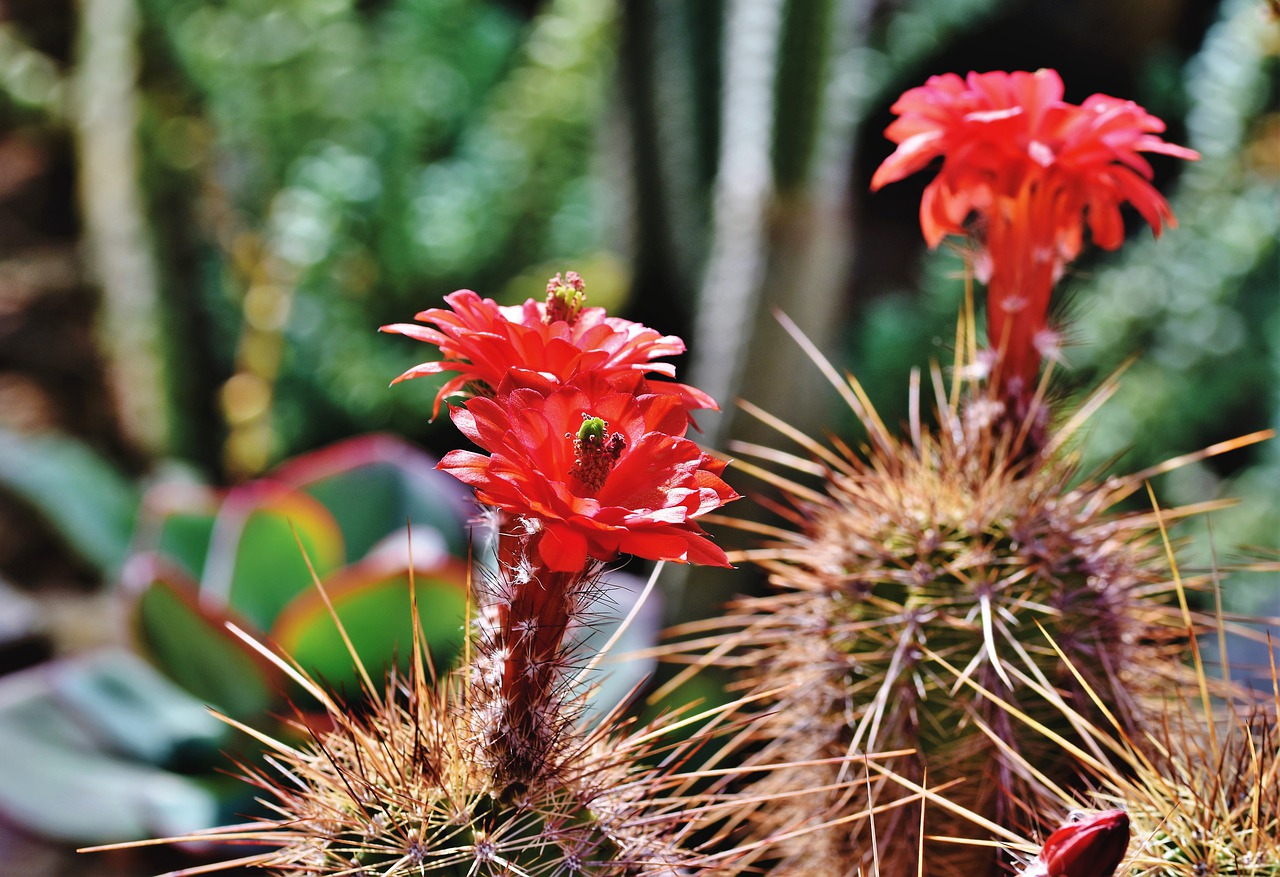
{"type": "Point", "coordinates": [1023, 172]}
{"type": "Point", "coordinates": [481, 341]}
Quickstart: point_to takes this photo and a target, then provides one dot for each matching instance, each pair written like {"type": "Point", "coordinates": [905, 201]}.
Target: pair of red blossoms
{"type": "Point", "coordinates": [581, 441]}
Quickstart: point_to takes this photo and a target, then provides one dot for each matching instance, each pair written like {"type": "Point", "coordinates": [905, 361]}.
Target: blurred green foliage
{"type": "Point", "coordinates": [135, 745]}
{"type": "Point", "coordinates": [82, 495]}
{"type": "Point", "coordinates": [369, 158]}
{"type": "Point", "coordinates": [100, 748]}
{"type": "Point", "coordinates": [363, 518]}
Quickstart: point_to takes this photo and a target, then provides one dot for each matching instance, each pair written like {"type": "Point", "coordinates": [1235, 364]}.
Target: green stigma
{"type": "Point", "coordinates": [595, 451]}
{"type": "Point", "coordinates": [593, 430]}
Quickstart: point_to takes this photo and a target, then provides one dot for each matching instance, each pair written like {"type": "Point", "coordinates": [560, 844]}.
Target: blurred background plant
{"type": "Point", "coordinates": [206, 209]}
{"type": "Point", "coordinates": [131, 743]}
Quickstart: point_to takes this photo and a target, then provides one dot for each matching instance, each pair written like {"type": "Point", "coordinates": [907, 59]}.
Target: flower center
{"type": "Point", "coordinates": [595, 451]}
{"type": "Point", "coordinates": [565, 298]}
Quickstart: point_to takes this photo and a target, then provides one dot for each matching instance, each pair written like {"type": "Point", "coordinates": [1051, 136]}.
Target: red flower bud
{"type": "Point", "coordinates": [1092, 847]}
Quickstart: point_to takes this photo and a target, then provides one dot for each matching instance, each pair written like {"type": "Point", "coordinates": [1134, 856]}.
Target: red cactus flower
{"type": "Point", "coordinates": [1034, 170]}
{"type": "Point", "coordinates": [1093, 847]}
{"type": "Point", "coordinates": [602, 464]}
{"type": "Point", "coordinates": [559, 338]}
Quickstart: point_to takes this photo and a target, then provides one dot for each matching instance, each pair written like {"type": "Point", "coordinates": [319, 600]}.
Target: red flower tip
{"type": "Point", "coordinates": [1092, 847]}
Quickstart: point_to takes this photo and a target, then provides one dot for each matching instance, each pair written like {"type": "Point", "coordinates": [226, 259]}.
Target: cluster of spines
{"type": "Point", "coordinates": [397, 789]}
{"type": "Point", "coordinates": [951, 559]}
{"type": "Point", "coordinates": [1199, 781]}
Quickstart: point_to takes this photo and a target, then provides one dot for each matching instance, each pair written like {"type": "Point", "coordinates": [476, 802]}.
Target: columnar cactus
{"type": "Point", "coordinates": [971, 553]}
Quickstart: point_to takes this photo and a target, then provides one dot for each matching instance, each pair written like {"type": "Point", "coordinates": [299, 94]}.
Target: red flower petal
{"type": "Point", "coordinates": [562, 548]}
{"type": "Point", "coordinates": [647, 504]}
{"type": "Point", "coordinates": [482, 340]}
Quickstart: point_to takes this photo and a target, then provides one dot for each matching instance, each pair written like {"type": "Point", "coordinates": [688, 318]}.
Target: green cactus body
{"type": "Point", "coordinates": [921, 595]}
